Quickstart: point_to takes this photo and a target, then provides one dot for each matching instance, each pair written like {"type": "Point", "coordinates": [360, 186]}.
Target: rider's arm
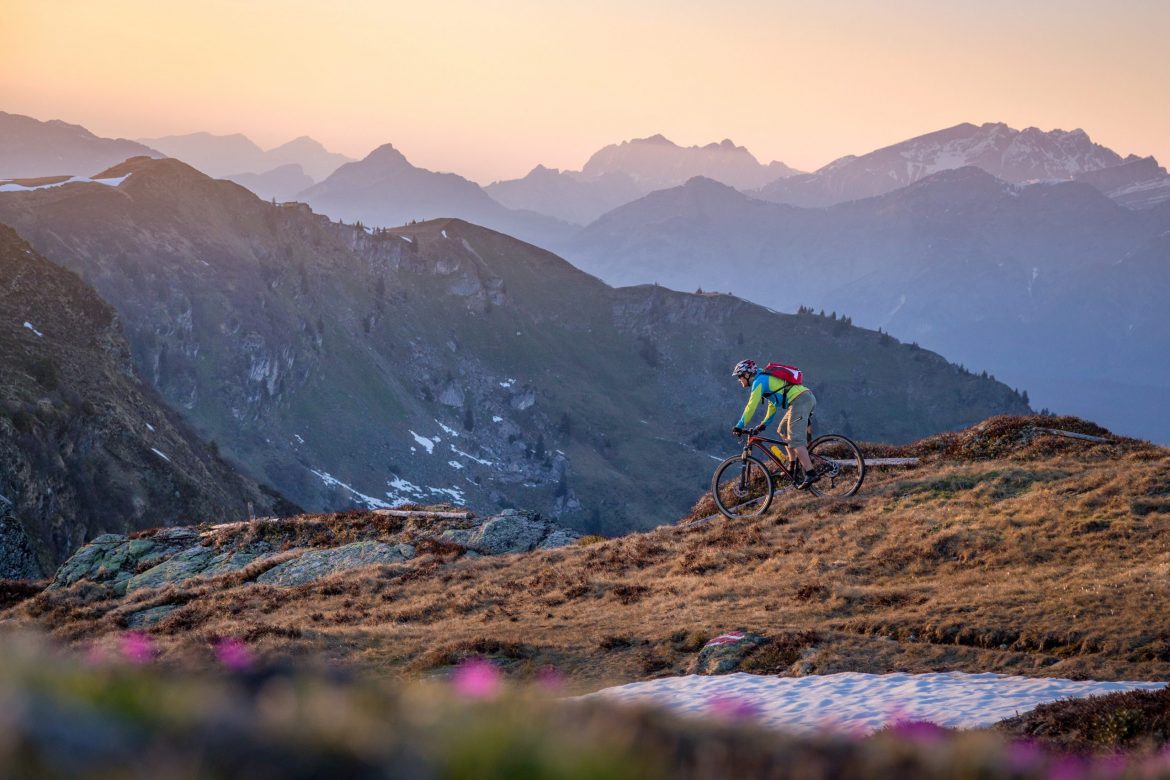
{"type": "Point", "coordinates": [753, 402]}
{"type": "Point", "coordinates": [772, 409]}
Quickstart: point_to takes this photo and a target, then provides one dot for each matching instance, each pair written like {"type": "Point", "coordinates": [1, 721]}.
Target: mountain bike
{"type": "Point", "coordinates": [743, 486]}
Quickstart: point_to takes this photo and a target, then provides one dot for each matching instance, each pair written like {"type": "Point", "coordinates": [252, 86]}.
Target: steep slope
{"type": "Point", "coordinates": [1034, 283]}
{"type": "Point", "coordinates": [1007, 549]}
{"type": "Point", "coordinates": [1012, 155]}
{"type": "Point", "coordinates": [621, 173]}
{"type": "Point", "coordinates": [30, 148]}
{"type": "Point", "coordinates": [446, 361]}
{"type": "Point", "coordinates": [85, 448]}
{"type": "Point", "coordinates": [385, 190]}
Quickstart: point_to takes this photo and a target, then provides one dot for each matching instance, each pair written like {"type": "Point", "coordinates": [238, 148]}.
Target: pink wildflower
{"type": "Point", "coordinates": [96, 655]}
{"type": "Point", "coordinates": [137, 647]}
{"type": "Point", "coordinates": [1067, 768]}
{"type": "Point", "coordinates": [476, 678]}
{"type": "Point", "coordinates": [732, 708]}
{"type": "Point", "coordinates": [922, 731]}
{"type": "Point", "coordinates": [550, 679]}
{"type": "Point", "coordinates": [233, 654]}
{"type": "Point", "coordinates": [1024, 756]}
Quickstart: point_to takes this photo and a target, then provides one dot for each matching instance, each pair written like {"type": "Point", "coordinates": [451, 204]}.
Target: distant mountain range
{"type": "Point", "coordinates": [1017, 156]}
{"type": "Point", "coordinates": [444, 361]}
{"type": "Point", "coordinates": [620, 173]}
{"type": "Point", "coordinates": [1052, 286]}
{"type": "Point", "coordinates": [229, 156]}
{"type": "Point", "coordinates": [85, 447]}
{"type": "Point", "coordinates": [30, 148]}
{"type": "Point", "coordinates": [385, 190]}
{"type": "Point", "coordinates": [959, 249]}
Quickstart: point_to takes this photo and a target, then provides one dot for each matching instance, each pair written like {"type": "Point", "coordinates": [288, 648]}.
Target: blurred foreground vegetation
{"type": "Point", "coordinates": [125, 716]}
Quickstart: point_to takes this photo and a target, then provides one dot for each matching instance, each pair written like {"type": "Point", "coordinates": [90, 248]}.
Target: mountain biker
{"type": "Point", "coordinates": [799, 402]}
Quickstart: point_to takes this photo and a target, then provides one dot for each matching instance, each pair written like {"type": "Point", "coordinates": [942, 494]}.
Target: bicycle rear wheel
{"type": "Point", "coordinates": [841, 464]}
{"type": "Point", "coordinates": [742, 487]}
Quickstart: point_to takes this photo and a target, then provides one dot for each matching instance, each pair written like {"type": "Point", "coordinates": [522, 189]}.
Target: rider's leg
{"type": "Point", "coordinates": [799, 414]}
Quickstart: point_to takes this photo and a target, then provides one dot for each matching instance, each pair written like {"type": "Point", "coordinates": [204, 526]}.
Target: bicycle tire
{"type": "Point", "coordinates": [730, 500]}
{"type": "Point", "coordinates": [848, 466]}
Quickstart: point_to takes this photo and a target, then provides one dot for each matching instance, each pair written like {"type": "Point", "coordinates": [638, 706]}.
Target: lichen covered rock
{"type": "Point", "coordinates": [512, 531]}
{"type": "Point", "coordinates": [316, 564]}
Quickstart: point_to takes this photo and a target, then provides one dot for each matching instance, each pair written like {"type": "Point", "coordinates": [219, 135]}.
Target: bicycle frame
{"type": "Point", "coordinates": [760, 443]}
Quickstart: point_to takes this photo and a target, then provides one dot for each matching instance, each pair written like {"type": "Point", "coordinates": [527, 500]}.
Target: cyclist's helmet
{"type": "Point", "coordinates": [745, 367]}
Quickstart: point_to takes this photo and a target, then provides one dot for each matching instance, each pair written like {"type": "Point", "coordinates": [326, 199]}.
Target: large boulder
{"type": "Point", "coordinates": [198, 561]}
{"type": "Point", "coordinates": [316, 564]}
{"type": "Point", "coordinates": [512, 531]}
{"type": "Point", "coordinates": [115, 559]}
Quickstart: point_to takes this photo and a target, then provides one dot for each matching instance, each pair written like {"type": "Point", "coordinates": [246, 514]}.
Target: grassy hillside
{"type": "Point", "coordinates": [1007, 549]}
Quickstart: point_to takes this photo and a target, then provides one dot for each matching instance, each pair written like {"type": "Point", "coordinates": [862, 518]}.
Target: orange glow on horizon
{"type": "Point", "coordinates": [490, 89]}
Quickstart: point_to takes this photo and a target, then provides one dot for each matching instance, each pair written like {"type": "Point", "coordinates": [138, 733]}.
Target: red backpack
{"type": "Point", "coordinates": [790, 374]}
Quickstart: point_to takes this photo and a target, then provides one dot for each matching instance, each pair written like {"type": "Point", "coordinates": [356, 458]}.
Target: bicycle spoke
{"type": "Point", "coordinates": [742, 488]}
{"type": "Point", "coordinates": [840, 463]}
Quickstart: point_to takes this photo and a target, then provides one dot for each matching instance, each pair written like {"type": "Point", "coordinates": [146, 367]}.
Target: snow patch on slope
{"type": "Point", "coordinates": [863, 703]}
{"type": "Point", "coordinates": [11, 186]}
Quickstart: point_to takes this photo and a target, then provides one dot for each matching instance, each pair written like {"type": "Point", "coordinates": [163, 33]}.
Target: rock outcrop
{"type": "Point", "coordinates": [298, 550]}
{"type": "Point", "coordinates": [512, 531]}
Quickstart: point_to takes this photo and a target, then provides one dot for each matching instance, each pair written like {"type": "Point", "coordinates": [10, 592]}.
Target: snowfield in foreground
{"type": "Point", "coordinates": [860, 703]}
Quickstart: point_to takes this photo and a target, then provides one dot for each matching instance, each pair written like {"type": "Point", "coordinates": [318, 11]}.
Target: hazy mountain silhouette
{"type": "Point", "coordinates": [620, 173]}
{"type": "Point", "coordinates": [446, 361]}
{"type": "Point", "coordinates": [1044, 284]}
{"type": "Point", "coordinates": [228, 156]}
{"type": "Point", "coordinates": [281, 184]}
{"type": "Point", "coordinates": [31, 148]}
{"type": "Point", "coordinates": [567, 195]}
{"type": "Point", "coordinates": [385, 190]}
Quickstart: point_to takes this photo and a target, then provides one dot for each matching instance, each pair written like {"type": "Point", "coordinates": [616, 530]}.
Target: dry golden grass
{"type": "Point", "coordinates": [1005, 551]}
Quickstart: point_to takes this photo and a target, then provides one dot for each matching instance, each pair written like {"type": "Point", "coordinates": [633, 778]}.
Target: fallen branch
{"type": "Point", "coordinates": [1071, 435]}
{"type": "Point", "coordinates": [880, 461]}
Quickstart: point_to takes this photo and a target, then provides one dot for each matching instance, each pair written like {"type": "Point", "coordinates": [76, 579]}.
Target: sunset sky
{"type": "Point", "coordinates": [490, 88]}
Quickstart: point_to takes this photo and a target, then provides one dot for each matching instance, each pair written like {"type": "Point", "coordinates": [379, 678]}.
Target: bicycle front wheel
{"type": "Point", "coordinates": [742, 487]}
{"type": "Point", "coordinates": [840, 463]}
